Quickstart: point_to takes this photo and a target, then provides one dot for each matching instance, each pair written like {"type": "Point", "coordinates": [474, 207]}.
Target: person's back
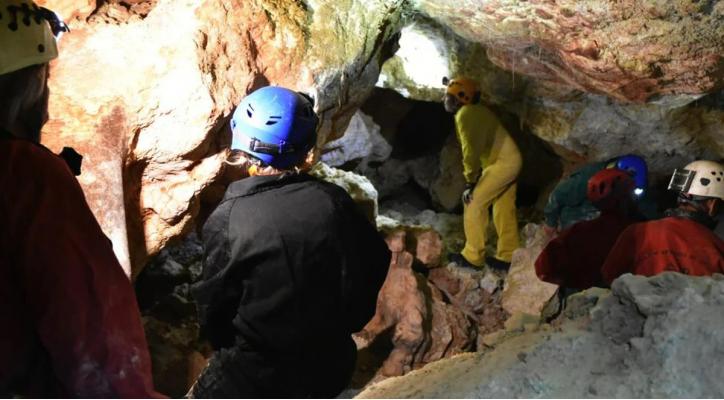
{"type": "Point", "coordinates": [291, 268]}
{"type": "Point", "coordinates": [567, 204]}
{"type": "Point", "coordinates": [574, 258]}
{"type": "Point", "coordinates": [299, 248]}
{"type": "Point", "coordinates": [684, 241]}
{"type": "Point", "coordinates": [669, 244]}
{"type": "Point", "coordinates": [70, 326]}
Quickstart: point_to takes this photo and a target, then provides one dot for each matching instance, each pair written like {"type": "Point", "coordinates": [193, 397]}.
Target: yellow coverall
{"type": "Point", "coordinates": [487, 145]}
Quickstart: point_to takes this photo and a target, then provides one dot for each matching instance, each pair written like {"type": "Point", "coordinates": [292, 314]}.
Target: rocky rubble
{"type": "Point", "coordinates": [647, 337]}
{"type": "Point", "coordinates": [426, 310]}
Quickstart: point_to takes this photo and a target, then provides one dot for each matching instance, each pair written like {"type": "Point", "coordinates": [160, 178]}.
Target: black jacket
{"type": "Point", "coordinates": [291, 269]}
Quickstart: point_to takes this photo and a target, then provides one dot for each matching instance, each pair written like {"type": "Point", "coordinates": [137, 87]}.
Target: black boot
{"type": "Point", "coordinates": [460, 261]}
{"type": "Point", "coordinates": [496, 264]}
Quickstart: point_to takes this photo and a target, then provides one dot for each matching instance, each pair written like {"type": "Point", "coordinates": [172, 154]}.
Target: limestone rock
{"type": "Point", "coordinates": [69, 9]}
{"type": "Point", "coordinates": [447, 188]}
{"type": "Point", "coordinates": [361, 142]}
{"type": "Point", "coordinates": [523, 291]}
{"type": "Point", "coordinates": [586, 113]}
{"type": "Point", "coordinates": [151, 122]}
{"type": "Point", "coordinates": [425, 322]}
{"type": "Point", "coordinates": [651, 337]}
{"type": "Point", "coordinates": [628, 51]}
{"type": "Point", "coordinates": [358, 187]}
{"type": "Point", "coordinates": [449, 226]}
{"type": "Point", "coordinates": [169, 316]}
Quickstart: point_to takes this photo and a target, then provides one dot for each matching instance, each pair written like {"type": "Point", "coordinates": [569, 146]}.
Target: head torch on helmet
{"type": "Point", "coordinates": [57, 26]}
{"type": "Point", "coordinates": [681, 180]}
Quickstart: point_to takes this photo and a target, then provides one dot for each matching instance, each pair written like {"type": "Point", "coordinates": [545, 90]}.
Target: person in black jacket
{"type": "Point", "coordinates": [291, 267]}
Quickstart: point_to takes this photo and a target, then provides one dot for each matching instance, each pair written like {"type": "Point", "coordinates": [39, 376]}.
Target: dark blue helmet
{"type": "Point", "coordinates": [637, 168]}
{"type": "Point", "coordinates": [275, 125]}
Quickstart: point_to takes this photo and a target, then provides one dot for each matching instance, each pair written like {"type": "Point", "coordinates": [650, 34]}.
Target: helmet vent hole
{"type": "Point", "coordinates": [271, 122]}
{"type": "Point", "coordinates": [705, 182]}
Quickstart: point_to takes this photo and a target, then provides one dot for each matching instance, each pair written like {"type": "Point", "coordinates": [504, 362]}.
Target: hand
{"type": "Point", "coordinates": [467, 196]}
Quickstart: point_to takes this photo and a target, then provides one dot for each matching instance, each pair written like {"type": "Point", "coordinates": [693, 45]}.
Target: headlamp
{"type": "Point", "coordinates": [681, 180]}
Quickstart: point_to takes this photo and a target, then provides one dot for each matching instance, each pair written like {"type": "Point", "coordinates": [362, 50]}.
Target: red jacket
{"type": "Point", "coordinates": [70, 323]}
{"type": "Point", "coordinates": [669, 244]}
{"type": "Point", "coordinates": [574, 258]}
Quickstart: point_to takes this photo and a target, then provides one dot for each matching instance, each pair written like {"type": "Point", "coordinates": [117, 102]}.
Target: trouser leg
{"type": "Point", "coordinates": [493, 182]}
{"type": "Point", "coordinates": [506, 223]}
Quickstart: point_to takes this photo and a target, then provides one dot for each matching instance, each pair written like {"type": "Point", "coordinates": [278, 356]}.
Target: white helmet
{"type": "Point", "coordinates": [27, 35]}
{"type": "Point", "coordinates": [700, 178]}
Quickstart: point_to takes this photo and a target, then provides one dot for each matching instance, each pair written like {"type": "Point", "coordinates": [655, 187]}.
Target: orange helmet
{"type": "Point", "coordinates": [466, 90]}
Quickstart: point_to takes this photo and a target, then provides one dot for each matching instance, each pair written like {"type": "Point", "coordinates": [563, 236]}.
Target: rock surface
{"type": "Point", "coordinates": [151, 121]}
{"type": "Point", "coordinates": [523, 291]}
{"type": "Point", "coordinates": [651, 337]}
{"type": "Point", "coordinates": [361, 142]}
{"type": "Point", "coordinates": [357, 186]}
{"type": "Point", "coordinates": [149, 109]}
{"type": "Point", "coordinates": [169, 316]}
{"type": "Point", "coordinates": [586, 113]}
{"type": "Point", "coordinates": [425, 311]}
{"type": "Point", "coordinates": [629, 50]}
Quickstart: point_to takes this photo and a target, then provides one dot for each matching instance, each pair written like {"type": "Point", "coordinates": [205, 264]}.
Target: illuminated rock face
{"type": "Point", "coordinates": [642, 93]}
{"type": "Point", "coordinates": [144, 90]}
{"type": "Point", "coordinates": [629, 50]}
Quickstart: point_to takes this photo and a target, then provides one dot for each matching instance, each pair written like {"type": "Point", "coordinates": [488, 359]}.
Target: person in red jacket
{"type": "Point", "coordinates": [684, 241]}
{"type": "Point", "coordinates": [70, 324]}
{"type": "Point", "coordinates": [573, 259]}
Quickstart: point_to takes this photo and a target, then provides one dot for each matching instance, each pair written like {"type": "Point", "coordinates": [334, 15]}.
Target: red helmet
{"type": "Point", "coordinates": [609, 187]}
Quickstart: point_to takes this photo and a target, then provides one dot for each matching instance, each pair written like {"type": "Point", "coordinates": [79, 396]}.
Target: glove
{"type": "Point", "coordinates": [468, 193]}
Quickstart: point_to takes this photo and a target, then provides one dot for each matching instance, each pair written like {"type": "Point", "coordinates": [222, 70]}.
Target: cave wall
{"type": "Point", "coordinates": [642, 93]}
{"type": "Point", "coordinates": [144, 88]}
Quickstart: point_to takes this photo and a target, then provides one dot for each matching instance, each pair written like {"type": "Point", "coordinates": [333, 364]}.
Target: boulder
{"type": "Point", "coordinates": [357, 186]}
{"type": "Point", "coordinates": [523, 291]}
{"type": "Point", "coordinates": [650, 337]}
{"type": "Point", "coordinates": [416, 322]}
{"type": "Point", "coordinates": [361, 142]}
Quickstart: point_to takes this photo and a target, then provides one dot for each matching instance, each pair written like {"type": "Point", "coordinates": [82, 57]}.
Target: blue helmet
{"type": "Point", "coordinates": [636, 166]}
{"type": "Point", "coordinates": [275, 125]}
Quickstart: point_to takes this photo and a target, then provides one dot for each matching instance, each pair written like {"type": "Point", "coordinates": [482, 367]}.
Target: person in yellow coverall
{"type": "Point", "coordinates": [491, 163]}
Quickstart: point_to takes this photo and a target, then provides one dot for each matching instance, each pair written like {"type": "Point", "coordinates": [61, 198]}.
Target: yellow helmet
{"type": "Point", "coordinates": [26, 35]}
{"type": "Point", "coordinates": [466, 90]}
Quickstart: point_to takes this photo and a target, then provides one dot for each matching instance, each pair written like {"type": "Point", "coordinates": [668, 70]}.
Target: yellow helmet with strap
{"type": "Point", "coordinates": [26, 35]}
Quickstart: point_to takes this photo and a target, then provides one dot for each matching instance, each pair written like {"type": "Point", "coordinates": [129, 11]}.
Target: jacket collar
{"type": "Point", "coordinates": [256, 184]}
{"type": "Point", "coordinates": [696, 216]}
